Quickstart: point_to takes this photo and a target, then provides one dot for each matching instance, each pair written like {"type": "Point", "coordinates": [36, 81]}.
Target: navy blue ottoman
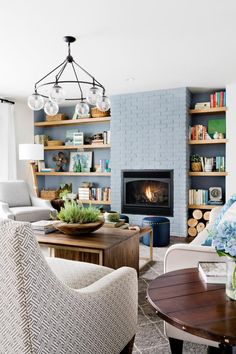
{"type": "Point", "coordinates": [161, 231]}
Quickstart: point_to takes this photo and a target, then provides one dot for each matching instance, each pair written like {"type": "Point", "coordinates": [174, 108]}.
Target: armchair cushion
{"type": "Point", "coordinates": [77, 275]}
{"type": "Point", "coordinates": [30, 213]}
{"type": "Point", "coordinates": [14, 193]}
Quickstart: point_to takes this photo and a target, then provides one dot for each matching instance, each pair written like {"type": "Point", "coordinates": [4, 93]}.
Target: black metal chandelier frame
{"type": "Point", "coordinates": [69, 60]}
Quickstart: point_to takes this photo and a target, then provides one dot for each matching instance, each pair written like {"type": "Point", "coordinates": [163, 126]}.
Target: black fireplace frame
{"type": "Point", "coordinates": [148, 210]}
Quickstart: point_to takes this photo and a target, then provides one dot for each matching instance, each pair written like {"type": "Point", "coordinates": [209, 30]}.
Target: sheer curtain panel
{"type": "Point", "coordinates": [7, 142]}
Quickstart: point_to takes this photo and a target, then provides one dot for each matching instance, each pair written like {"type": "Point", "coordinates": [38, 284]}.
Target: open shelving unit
{"type": "Point", "coordinates": [205, 148]}
{"type": "Point", "coordinates": [57, 131]}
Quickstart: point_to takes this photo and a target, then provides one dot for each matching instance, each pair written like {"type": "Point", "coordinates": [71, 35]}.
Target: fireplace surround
{"type": "Point", "coordinates": [147, 192]}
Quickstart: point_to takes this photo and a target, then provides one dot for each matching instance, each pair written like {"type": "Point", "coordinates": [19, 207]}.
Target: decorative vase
{"type": "Point", "coordinates": [231, 279]}
{"type": "Point", "coordinates": [196, 166]}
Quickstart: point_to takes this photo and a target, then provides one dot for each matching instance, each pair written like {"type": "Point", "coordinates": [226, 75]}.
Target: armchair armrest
{"type": "Point", "coordinates": [5, 212]}
{"type": "Point", "coordinates": [182, 256]}
{"type": "Point", "coordinates": [43, 203]}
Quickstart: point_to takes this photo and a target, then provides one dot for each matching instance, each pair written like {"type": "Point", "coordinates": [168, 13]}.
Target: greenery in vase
{"type": "Point", "coordinates": [113, 217]}
{"type": "Point", "coordinates": [195, 158]}
{"type": "Point", "coordinates": [73, 213]}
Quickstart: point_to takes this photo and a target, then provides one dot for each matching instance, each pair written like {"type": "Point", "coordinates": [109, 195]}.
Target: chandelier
{"type": "Point", "coordinates": [57, 95]}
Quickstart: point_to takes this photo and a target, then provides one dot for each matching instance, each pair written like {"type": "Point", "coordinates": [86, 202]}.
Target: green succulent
{"type": "Point", "coordinates": [113, 217]}
{"type": "Point", "coordinates": [73, 213]}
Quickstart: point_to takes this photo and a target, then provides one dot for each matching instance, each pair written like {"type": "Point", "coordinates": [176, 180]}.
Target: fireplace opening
{"type": "Point", "coordinates": [148, 192]}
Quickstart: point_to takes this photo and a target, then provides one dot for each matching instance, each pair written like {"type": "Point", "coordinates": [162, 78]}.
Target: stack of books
{"type": "Point", "coordinates": [84, 193]}
{"type": "Point", "coordinates": [198, 196]}
{"type": "Point", "coordinates": [44, 226]}
{"type": "Point", "coordinates": [218, 99]}
{"type": "Point", "coordinates": [213, 272]}
{"type": "Point", "coordinates": [198, 132]}
{"type": "Point", "coordinates": [102, 194]}
{"type": "Point", "coordinates": [217, 163]}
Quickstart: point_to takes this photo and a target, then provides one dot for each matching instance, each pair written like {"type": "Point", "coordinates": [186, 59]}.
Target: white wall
{"type": "Point", "coordinates": [231, 136]}
{"type": "Point", "coordinates": [24, 134]}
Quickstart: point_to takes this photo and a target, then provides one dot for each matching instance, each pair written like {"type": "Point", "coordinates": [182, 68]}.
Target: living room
{"type": "Point", "coordinates": [121, 114]}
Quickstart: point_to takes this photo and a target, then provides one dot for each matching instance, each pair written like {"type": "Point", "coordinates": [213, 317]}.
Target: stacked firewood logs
{"type": "Point", "coordinates": [197, 222]}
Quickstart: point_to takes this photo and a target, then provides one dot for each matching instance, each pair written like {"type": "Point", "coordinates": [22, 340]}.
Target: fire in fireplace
{"type": "Point", "coordinates": [147, 192]}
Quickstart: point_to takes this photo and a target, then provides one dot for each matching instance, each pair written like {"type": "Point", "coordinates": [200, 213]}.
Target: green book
{"type": "Point", "coordinates": [216, 125]}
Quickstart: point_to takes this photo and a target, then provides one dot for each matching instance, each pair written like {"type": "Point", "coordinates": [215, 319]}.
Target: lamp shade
{"type": "Point", "coordinates": [31, 152]}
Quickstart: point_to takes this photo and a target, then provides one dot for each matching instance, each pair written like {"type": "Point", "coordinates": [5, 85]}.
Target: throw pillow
{"type": "Point", "coordinates": [225, 208]}
{"type": "Point", "coordinates": [229, 215]}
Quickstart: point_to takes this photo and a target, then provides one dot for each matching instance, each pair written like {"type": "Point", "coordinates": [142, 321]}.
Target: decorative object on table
{"type": "Point", "coordinates": [215, 194]}
{"type": "Point", "coordinates": [44, 226]}
{"type": "Point", "coordinates": [80, 161]}
{"type": "Point", "coordinates": [57, 95]}
{"type": "Point", "coordinates": [216, 125]}
{"type": "Point", "coordinates": [76, 220]}
{"type": "Point", "coordinates": [202, 105]}
{"type": "Point", "coordinates": [114, 224]}
{"type": "Point", "coordinates": [32, 153]}
{"type": "Point", "coordinates": [213, 272]}
{"type": "Point", "coordinates": [49, 194]}
{"type": "Point", "coordinates": [78, 138]}
{"type": "Point", "coordinates": [56, 117]}
{"type": "Point", "coordinates": [61, 160]}
{"type": "Point", "coordinates": [55, 142]}
{"type": "Point", "coordinates": [97, 113]}
{"type": "Point", "coordinates": [161, 231]}
{"type": "Point", "coordinates": [195, 161]}
{"type": "Point", "coordinates": [112, 216]}
{"type": "Point", "coordinates": [41, 139]}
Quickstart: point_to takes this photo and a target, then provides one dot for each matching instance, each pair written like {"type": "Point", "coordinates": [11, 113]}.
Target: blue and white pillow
{"type": "Point", "coordinates": [226, 220]}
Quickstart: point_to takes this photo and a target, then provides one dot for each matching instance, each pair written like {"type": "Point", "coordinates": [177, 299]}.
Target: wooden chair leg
{"type": "Point", "coordinates": [176, 345]}
{"type": "Point", "coordinates": [129, 347]}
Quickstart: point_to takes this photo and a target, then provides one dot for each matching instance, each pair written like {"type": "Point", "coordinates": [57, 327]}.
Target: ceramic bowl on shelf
{"type": "Point", "coordinates": [78, 229]}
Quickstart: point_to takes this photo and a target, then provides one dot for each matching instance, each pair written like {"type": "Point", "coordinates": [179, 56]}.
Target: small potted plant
{"type": "Point", "coordinates": [76, 219]}
{"type": "Point", "coordinates": [195, 161]}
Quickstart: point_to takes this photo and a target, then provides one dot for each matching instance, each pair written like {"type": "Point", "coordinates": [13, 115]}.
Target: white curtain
{"type": "Point", "coordinates": [7, 142]}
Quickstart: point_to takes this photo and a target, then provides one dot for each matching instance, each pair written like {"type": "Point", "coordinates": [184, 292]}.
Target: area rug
{"type": "Point", "coordinates": [150, 338]}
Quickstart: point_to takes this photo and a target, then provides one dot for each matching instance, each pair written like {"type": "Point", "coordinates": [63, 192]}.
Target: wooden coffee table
{"type": "Point", "coordinates": [112, 248]}
{"type": "Point", "coordinates": [185, 301]}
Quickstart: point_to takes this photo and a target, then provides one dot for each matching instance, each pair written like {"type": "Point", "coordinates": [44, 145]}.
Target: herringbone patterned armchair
{"type": "Point", "coordinates": [40, 313]}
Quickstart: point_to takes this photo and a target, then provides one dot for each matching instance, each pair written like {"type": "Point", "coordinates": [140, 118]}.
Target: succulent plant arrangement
{"type": "Point", "coordinates": [73, 213]}
{"type": "Point", "coordinates": [113, 216]}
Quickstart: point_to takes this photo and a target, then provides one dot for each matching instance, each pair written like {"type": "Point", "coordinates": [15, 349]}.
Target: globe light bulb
{"type": "Point", "coordinates": [35, 102]}
{"type": "Point", "coordinates": [103, 103]}
{"type": "Point", "coordinates": [93, 95]}
{"type": "Point", "coordinates": [82, 108]}
{"type": "Point", "coordinates": [51, 108]}
{"type": "Point", "coordinates": [57, 94]}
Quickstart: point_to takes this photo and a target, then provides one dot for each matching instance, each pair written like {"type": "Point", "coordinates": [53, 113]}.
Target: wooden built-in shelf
{"type": "Point", "coordinates": [212, 141]}
{"type": "Point", "coordinates": [77, 174]}
{"type": "Point", "coordinates": [77, 147]}
{"type": "Point", "coordinates": [95, 202]}
{"type": "Point", "coordinates": [209, 174]}
{"type": "Point", "coordinates": [208, 110]}
{"type": "Point", "coordinates": [73, 122]}
{"type": "Point", "coordinates": [202, 206]}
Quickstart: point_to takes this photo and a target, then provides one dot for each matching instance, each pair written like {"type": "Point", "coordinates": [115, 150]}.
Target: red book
{"type": "Point", "coordinates": [221, 98]}
{"type": "Point", "coordinates": [212, 100]}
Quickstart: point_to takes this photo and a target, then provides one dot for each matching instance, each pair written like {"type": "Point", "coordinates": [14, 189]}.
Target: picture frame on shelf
{"type": "Point", "coordinates": [80, 161]}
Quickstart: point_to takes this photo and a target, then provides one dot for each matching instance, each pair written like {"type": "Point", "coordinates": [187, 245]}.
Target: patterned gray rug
{"type": "Point", "coordinates": [150, 338]}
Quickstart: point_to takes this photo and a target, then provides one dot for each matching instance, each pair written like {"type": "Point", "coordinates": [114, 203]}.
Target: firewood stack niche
{"type": "Point", "coordinates": [197, 222]}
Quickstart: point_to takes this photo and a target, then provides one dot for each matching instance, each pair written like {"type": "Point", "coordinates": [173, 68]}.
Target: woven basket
{"type": "Point", "coordinates": [59, 116]}
{"type": "Point", "coordinates": [55, 142]}
{"type": "Point", "coordinates": [196, 166]}
{"type": "Point", "coordinates": [49, 194]}
{"type": "Point", "coordinates": [95, 113]}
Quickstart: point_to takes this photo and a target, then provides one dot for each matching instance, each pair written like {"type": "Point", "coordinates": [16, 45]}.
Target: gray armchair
{"type": "Point", "coordinates": [18, 204]}
{"type": "Point", "coordinates": [66, 307]}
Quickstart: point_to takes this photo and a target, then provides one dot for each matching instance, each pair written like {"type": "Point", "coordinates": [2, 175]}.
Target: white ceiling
{"type": "Point", "coordinates": [160, 43]}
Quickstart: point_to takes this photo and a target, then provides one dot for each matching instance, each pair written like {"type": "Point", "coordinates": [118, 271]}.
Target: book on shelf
{"type": "Point", "coordinates": [198, 196]}
{"type": "Point", "coordinates": [213, 272]}
{"type": "Point", "coordinates": [198, 132]}
{"type": "Point", "coordinates": [218, 99]}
